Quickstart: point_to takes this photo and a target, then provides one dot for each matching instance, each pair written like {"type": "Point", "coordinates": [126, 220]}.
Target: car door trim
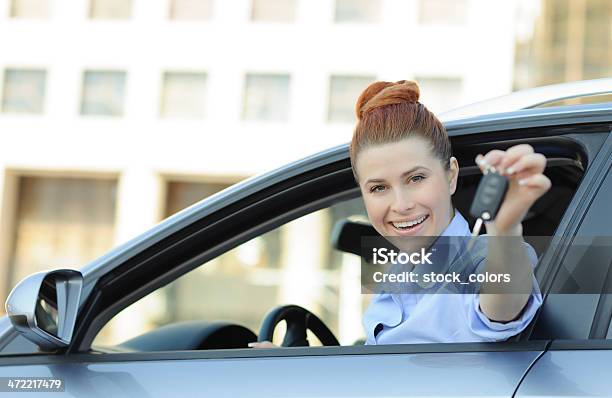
{"type": "Point", "coordinates": [582, 344]}
{"type": "Point", "coordinates": [392, 349]}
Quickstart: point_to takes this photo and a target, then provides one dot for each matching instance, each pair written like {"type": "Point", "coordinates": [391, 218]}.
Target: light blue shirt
{"type": "Point", "coordinates": [445, 318]}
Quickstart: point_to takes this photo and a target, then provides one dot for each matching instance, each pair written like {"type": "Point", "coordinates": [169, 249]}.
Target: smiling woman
{"type": "Point", "coordinates": [401, 158]}
{"type": "Point", "coordinates": [422, 205]}
{"type": "Point", "coordinates": [401, 143]}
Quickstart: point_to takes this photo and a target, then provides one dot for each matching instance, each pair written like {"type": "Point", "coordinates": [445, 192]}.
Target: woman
{"type": "Point", "coordinates": [401, 159]}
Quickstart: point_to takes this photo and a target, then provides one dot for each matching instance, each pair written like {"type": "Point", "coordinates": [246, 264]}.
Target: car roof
{"type": "Point", "coordinates": [531, 98]}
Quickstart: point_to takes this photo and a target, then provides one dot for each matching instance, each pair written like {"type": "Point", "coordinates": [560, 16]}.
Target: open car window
{"type": "Point", "coordinates": [294, 264]}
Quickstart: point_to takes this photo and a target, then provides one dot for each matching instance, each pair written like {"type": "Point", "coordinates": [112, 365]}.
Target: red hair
{"type": "Point", "coordinates": [390, 112]}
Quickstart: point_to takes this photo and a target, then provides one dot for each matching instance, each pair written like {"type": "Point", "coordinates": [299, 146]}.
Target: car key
{"type": "Point", "coordinates": [489, 196]}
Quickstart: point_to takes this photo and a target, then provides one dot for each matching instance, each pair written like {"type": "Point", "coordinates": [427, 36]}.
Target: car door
{"type": "Point", "coordinates": [459, 369]}
{"type": "Point", "coordinates": [467, 369]}
{"type": "Point", "coordinates": [330, 371]}
{"type": "Point", "coordinates": [440, 370]}
{"type": "Point", "coordinates": [577, 363]}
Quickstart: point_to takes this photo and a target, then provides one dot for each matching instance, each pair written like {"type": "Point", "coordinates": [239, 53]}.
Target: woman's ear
{"type": "Point", "coordinates": [453, 174]}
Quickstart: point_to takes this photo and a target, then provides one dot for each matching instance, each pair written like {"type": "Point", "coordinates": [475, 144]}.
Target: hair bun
{"type": "Point", "coordinates": [381, 93]}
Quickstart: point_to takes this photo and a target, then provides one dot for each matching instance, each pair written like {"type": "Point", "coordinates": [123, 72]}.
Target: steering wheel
{"type": "Point", "coordinates": [298, 321]}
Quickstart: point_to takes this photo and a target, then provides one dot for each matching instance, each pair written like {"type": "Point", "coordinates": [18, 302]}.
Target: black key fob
{"type": "Point", "coordinates": [489, 196]}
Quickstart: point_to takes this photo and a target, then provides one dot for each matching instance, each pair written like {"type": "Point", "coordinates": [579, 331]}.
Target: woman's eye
{"type": "Point", "coordinates": [377, 188]}
{"type": "Point", "coordinates": [417, 178]}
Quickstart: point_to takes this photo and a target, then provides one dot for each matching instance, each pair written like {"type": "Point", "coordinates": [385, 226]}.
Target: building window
{"type": "Point", "coordinates": [260, 252]}
{"type": "Point", "coordinates": [183, 194]}
{"type": "Point", "coordinates": [23, 91]}
{"type": "Point", "coordinates": [443, 12]}
{"type": "Point", "coordinates": [266, 97]}
{"type": "Point", "coordinates": [110, 9]}
{"type": "Point", "coordinates": [343, 94]}
{"type": "Point", "coordinates": [357, 10]}
{"type": "Point", "coordinates": [35, 9]}
{"type": "Point", "coordinates": [103, 93]}
{"type": "Point", "coordinates": [61, 222]}
{"type": "Point", "coordinates": [183, 95]}
{"type": "Point", "coordinates": [191, 10]}
{"type": "Point", "coordinates": [273, 10]}
{"type": "Point", "coordinates": [440, 94]}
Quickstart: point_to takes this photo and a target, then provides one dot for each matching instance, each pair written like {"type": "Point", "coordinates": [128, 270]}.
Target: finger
{"type": "Point", "coordinates": [533, 162]}
{"type": "Point", "coordinates": [536, 181]}
{"type": "Point", "coordinates": [484, 162]}
{"type": "Point", "coordinates": [513, 154]}
{"type": "Point", "coordinates": [520, 175]}
{"type": "Point", "coordinates": [480, 162]}
{"type": "Point", "coordinates": [494, 157]}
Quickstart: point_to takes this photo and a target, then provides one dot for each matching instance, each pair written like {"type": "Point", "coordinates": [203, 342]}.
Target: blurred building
{"type": "Point", "coordinates": [563, 40]}
{"type": "Point", "coordinates": [115, 114]}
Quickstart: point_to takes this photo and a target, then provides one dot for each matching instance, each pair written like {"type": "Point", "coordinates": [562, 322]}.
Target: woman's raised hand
{"type": "Point", "coordinates": [524, 169]}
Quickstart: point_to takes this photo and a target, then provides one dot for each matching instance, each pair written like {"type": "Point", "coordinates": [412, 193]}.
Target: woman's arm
{"type": "Point", "coordinates": [503, 302]}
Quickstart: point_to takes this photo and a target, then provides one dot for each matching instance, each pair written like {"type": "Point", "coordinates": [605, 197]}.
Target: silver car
{"type": "Point", "coordinates": [47, 338]}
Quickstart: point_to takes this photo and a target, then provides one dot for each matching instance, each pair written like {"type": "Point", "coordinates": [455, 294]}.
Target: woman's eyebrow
{"type": "Point", "coordinates": [412, 170]}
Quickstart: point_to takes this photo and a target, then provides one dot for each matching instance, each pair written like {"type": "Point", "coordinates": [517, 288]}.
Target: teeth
{"type": "Point", "coordinates": [406, 224]}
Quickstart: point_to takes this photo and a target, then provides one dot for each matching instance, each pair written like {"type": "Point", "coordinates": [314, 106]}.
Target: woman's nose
{"type": "Point", "coordinates": [402, 203]}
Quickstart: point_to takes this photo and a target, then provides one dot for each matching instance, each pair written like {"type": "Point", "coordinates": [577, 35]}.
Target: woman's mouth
{"type": "Point", "coordinates": [409, 227]}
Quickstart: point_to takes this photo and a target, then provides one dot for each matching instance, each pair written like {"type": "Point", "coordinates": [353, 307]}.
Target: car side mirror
{"type": "Point", "coordinates": [43, 307]}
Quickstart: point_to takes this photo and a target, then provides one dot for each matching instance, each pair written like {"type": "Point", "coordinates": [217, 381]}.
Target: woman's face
{"type": "Point", "coordinates": [405, 188]}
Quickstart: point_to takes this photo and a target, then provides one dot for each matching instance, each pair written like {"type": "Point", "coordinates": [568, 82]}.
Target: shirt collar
{"type": "Point", "coordinates": [457, 227]}
{"type": "Point", "coordinates": [445, 250]}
